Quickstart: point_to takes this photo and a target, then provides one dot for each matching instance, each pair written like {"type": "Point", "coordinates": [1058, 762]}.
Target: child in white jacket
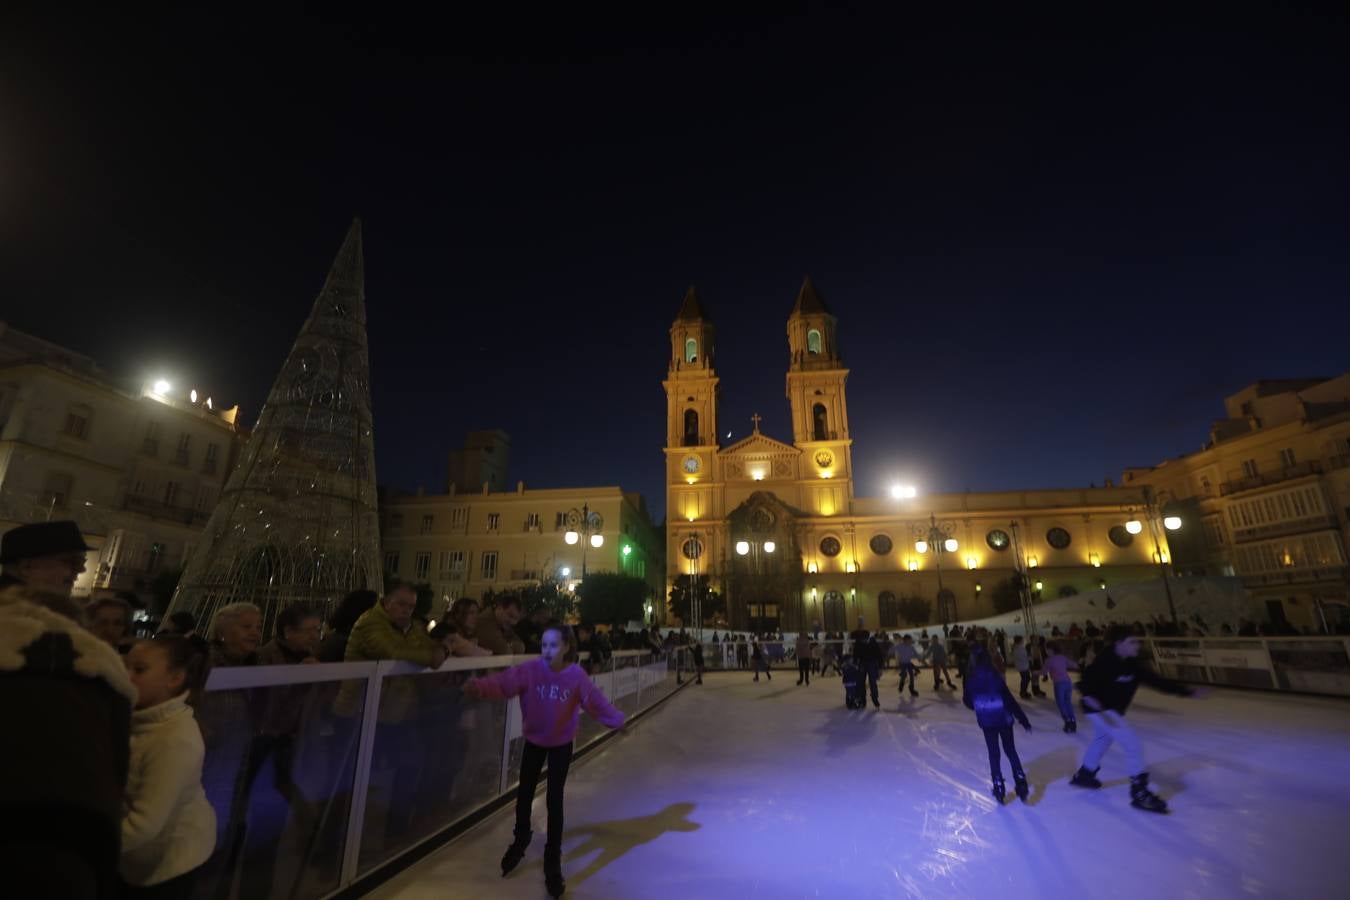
{"type": "Point", "coordinates": [168, 827]}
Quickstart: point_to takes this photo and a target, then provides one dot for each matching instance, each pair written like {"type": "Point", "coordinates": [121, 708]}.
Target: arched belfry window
{"type": "Point", "coordinates": [813, 342]}
{"type": "Point", "coordinates": [690, 350]}
{"type": "Point", "coordinates": [819, 423]}
{"type": "Point", "coordinates": [690, 428]}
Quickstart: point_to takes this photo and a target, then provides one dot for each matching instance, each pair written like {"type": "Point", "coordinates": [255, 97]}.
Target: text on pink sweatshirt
{"type": "Point", "coordinates": [551, 702]}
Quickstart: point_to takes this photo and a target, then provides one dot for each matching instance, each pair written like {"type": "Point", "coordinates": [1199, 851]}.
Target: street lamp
{"type": "Point", "coordinates": [753, 549]}
{"type": "Point", "coordinates": [940, 540]}
{"type": "Point", "coordinates": [584, 527]}
{"type": "Point", "coordinates": [1155, 518]}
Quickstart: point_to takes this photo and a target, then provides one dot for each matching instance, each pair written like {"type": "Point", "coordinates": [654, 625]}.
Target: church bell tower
{"type": "Point", "coordinates": [815, 389]}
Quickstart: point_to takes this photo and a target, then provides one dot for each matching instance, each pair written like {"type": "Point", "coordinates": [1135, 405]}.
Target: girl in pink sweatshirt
{"type": "Point", "coordinates": [553, 690]}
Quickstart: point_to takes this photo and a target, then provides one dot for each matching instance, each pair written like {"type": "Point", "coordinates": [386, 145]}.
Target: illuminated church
{"type": "Point", "coordinates": [775, 527]}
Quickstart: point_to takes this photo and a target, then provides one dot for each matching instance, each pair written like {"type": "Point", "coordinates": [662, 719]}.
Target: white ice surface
{"type": "Point", "coordinates": [735, 789]}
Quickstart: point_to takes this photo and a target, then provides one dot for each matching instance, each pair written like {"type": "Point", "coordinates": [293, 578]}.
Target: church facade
{"type": "Point", "coordinates": [774, 524]}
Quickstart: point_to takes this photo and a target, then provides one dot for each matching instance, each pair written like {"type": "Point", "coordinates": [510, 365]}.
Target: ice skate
{"type": "Point", "coordinates": [553, 877]}
{"type": "Point", "coordinates": [1142, 798]}
{"type": "Point", "coordinates": [1071, 727]}
{"type": "Point", "coordinates": [514, 853]}
{"type": "Point", "coordinates": [1020, 786]}
{"type": "Point", "coordinates": [1085, 778]}
{"type": "Point", "coordinates": [1000, 790]}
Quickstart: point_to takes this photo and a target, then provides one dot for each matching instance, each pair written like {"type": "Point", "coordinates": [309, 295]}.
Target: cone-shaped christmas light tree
{"type": "Point", "coordinates": [297, 521]}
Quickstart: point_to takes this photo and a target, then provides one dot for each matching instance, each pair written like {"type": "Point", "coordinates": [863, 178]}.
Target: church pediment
{"type": "Point", "coordinates": [759, 446]}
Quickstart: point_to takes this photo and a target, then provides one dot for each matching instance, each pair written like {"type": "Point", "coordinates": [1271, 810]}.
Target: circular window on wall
{"type": "Point", "coordinates": [997, 539]}
{"type": "Point", "coordinates": [830, 545]}
{"type": "Point", "coordinates": [1058, 538]}
{"type": "Point", "coordinates": [881, 544]}
{"type": "Point", "coordinates": [1119, 536]}
{"type": "Point", "coordinates": [692, 549]}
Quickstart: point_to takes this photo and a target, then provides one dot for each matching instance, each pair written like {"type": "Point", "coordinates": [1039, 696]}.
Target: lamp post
{"type": "Point", "coordinates": [1153, 516]}
{"type": "Point", "coordinates": [583, 527]}
{"type": "Point", "coordinates": [754, 549]}
{"type": "Point", "coordinates": [939, 540]}
{"type": "Point", "coordinates": [695, 601]}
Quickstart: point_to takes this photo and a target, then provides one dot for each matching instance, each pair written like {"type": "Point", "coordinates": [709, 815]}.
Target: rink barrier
{"type": "Point", "coordinates": [327, 779]}
{"type": "Point", "coordinates": [1307, 665]}
{"type": "Point", "coordinates": [1299, 664]}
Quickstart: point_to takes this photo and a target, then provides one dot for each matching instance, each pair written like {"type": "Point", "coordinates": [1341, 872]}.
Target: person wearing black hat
{"type": "Point", "coordinates": [44, 556]}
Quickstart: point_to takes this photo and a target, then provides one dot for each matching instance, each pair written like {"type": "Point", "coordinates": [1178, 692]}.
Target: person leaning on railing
{"type": "Point", "coordinates": [387, 631]}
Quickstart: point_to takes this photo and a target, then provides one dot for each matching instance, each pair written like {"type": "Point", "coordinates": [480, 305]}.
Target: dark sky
{"type": "Point", "coordinates": [1053, 245]}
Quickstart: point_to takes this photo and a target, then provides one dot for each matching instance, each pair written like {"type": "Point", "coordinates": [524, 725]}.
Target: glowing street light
{"type": "Point", "coordinates": [742, 547]}
{"type": "Point", "coordinates": [904, 491]}
{"type": "Point", "coordinates": [1172, 523]}
{"type": "Point", "coordinates": [587, 525]}
{"type": "Point", "coordinates": [161, 387]}
{"type": "Point", "coordinates": [770, 546]}
{"type": "Point", "coordinates": [1134, 526]}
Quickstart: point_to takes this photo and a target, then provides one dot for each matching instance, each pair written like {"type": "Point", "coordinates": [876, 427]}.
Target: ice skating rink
{"type": "Point", "coordinates": [735, 789]}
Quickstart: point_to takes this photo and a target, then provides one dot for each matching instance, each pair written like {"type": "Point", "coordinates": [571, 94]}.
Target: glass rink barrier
{"type": "Point", "coordinates": [320, 775]}
{"type": "Point", "coordinates": [1313, 665]}
{"type": "Point", "coordinates": [1308, 664]}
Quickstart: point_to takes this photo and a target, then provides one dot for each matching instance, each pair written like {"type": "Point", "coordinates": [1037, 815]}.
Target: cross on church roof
{"type": "Point", "coordinates": [755, 418]}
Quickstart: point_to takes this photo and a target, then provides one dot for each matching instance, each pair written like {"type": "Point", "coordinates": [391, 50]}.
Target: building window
{"type": "Point", "coordinates": [690, 350]}
{"type": "Point", "coordinates": [1249, 468]}
{"type": "Point", "coordinates": [489, 566]}
{"type": "Point", "coordinates": [494, 521]}
{"type": "Point", "coordinates": [180, 455]}
{"type": "Point", "coordinates": [1120, 537]}
{"type": "Point", "coordinates": [77, 421]}
{"type": "Point", "coordinates": [813, 342]}
{"type": "Point", "coordinates": [830, 546]}
{"type": "Point", "coordinates": [1287, 457]}
{"type": "Point", "coordinates": [427, 523]}
{"type": "Point", "coordinates": [452, 562]}
{"type": "Point", "coordinates": [391, 563]}
{"type": "Point", "coordinates": [395, 521]}
{"type": "Point", "coordinates": [1058, 538]}
{"type": "Point", "coordinates": [56, 490]}
{"type": "Point", "coordinates": [997, 540]}
{"type": "Point", "coordinates": [820, 423]}
{"type": "Point", "coordinates": [881, 544]}
{"type": "Point", "coordinates": [532, 522]}
{"type": "Point", "coordinates": [833, 611]}
{"type": "Point", "coordinates": [205, 497]}
{"type": "Point", "coordinates": [150, 446]}
{"type": "Point", "coordinates": [690, 428]}
{"type": "Point", "coordinates": [459, 517]}
{"type": "Point", "coordinates": [170, 493]}
{"type": "Point", "coordinates": [692, 548]}
{"type": "Point", "coordinates": [889, 609]}
{"type": "Point", "coordinates": [209, 464]}
{"type": "Point", "coordinates": [422, 566]}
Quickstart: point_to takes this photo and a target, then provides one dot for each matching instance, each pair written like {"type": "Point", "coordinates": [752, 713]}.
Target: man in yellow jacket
{"type": "Point", "coordinates": [388, 631]}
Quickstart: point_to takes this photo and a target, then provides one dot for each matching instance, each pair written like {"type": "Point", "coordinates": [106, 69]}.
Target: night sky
{"type": "Point", "coordinates": [1053, 245]}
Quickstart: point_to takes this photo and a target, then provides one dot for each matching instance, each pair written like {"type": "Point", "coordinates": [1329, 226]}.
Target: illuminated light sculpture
{"type": "Point", "coordinates": [297, 521]}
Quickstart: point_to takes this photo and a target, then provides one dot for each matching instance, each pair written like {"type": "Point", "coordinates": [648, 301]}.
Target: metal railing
{"type": "Point", "coordinates": [1261, 479]}
{"type": "Point", "coordinates": [323, 775]}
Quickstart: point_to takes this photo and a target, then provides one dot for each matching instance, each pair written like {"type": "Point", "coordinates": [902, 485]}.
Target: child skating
{"type": "Point", "coordinates": [553, 690]}
{"type": "Point", "coordinates": [1108, 686]}
{"type": "Point", "coordinates": [905, 655]}
{"type": "Point", "coordinates": [986, 692]}
{"type": "Point", "coordinates": [1057, 666]}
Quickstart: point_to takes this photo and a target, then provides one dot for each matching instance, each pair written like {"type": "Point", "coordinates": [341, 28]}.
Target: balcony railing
{"type": "Point", "coordinates": [157, 510]}
{"type": "Point", "coordinates": [1261, 479]}
{"type": "Point", "coordinates": [1296, 575]}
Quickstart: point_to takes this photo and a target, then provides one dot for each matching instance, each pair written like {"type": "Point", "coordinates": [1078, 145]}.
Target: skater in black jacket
{"type": "Point", "coordinates": [987, 693]}
{"type": "Point", "coordinates": [1108, 686]}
